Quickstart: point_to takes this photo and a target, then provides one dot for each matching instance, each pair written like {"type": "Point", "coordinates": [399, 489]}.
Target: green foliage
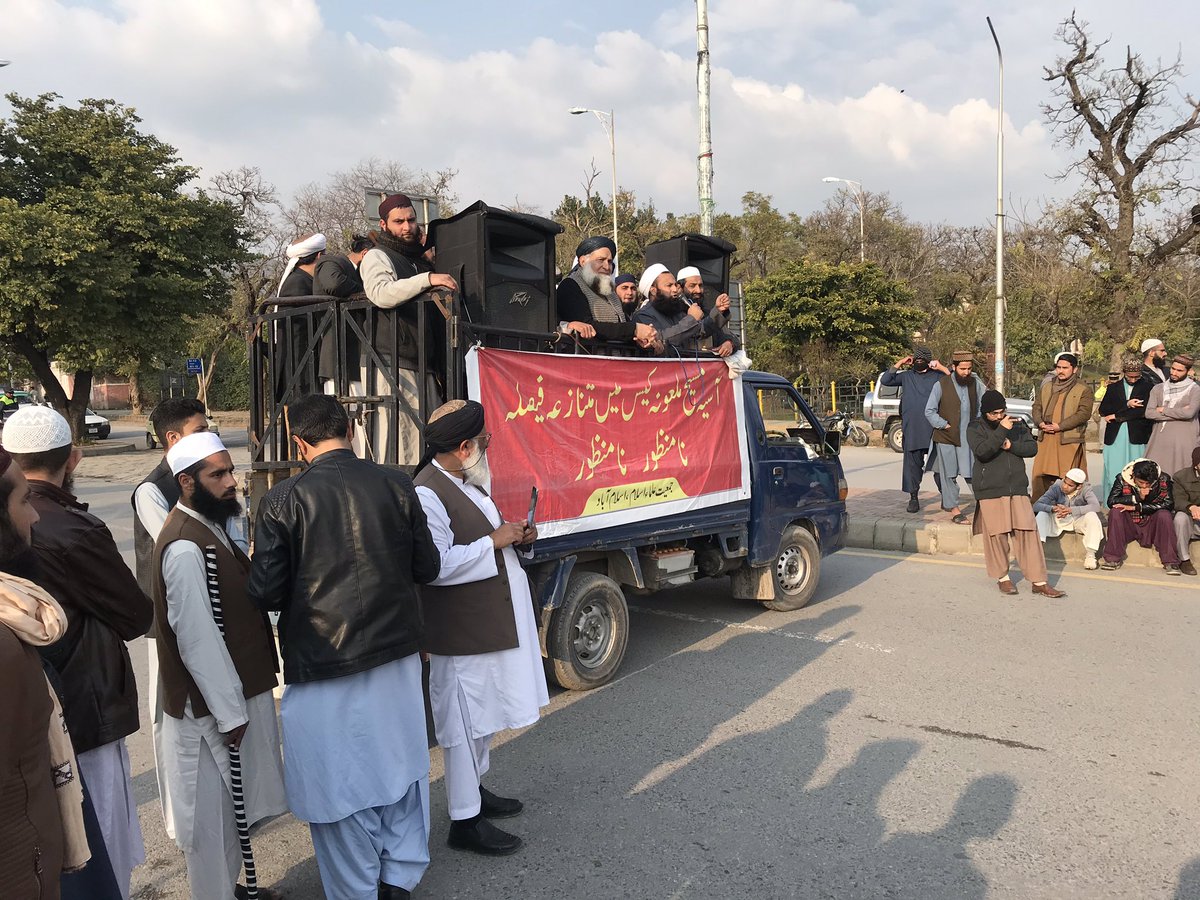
{"type": "Point", "coordinates": [820, 322]}
{"type": "Point", "coordinates": [230, 387]}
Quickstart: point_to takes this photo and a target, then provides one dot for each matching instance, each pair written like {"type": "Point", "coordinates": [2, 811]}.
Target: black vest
{"type": "Point", "coordinates": [143, 544]}
{"type": "Point", "coordinates": [405, 313]}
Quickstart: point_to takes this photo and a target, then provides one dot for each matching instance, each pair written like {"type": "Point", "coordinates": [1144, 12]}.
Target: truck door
{"type": "Point", "coordinates": [793, 475]}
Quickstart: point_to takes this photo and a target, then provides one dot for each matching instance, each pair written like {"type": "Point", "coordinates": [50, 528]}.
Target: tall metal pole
{"type": "Point", "coordinates": [705, 160]}
{"type": "Point", "coordinates": [1000, 302]}
{"type": "Point", "coordinates": [862, 224]}
{"type": "Point", "coordinates": [612, 146]}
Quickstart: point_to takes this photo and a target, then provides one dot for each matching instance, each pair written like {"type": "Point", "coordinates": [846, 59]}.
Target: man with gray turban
{"type": "Point", "coordinates": [587, 297]}
{"type": "Point", "coordinates": [485, 662]}
{"type": "Point", "coordinates": [915, 384]}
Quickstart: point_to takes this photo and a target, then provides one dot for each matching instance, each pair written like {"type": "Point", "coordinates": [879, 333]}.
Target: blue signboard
{"type": "Point", "coordinates": [195, 366]}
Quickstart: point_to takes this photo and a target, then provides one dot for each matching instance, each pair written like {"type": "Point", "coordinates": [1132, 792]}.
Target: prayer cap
{"type": "Point", "coordinates": [1077, 475]}
{"type": "Point", "coordinates": [992, 401]}
{"type": "Point", "coordinates": [648, 278]}
{"type": "Point", "coordinates": [1131, 364]}
{"type": "Point", "coordinates": [962, 356]}
{"type": "Point", "coordinates": [624, 278]}
{"type": "Point", "coordinates": [6, 460]}
{"type": "Point", "coordinates": [922, 352]}
{"type": "Point", "coordinates": [36, 429]}
{"type": "Point", "coordinates": [1184, 360]}
{"type": "Point", "coordinates": [393, 201]}
{"type": "Point", "coordinates": [191, 449]}
{"type": "Point", "coordinates": [314, 243]}
{"type": "Point", "coordinates": [451, 424]}
{"type": "Point", "coordinates": [594, 243]}
{"type": "Point", "coordinates": [688, 272]}
{"type": "Point", "coordinates": [1149, 344]}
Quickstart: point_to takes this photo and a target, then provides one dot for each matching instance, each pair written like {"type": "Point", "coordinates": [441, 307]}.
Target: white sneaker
{"type": "Point", "coordinates": [1089, 561]}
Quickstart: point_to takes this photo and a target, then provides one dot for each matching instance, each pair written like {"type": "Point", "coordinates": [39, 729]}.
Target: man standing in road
{"type": "Point", "coordinates": [953, 404]}
{"type": "Point", "coordinates": [1003, 513]}
{"type": "Point", "coordinates": [915, 385]}
{"type": "Point", "coordinates": [1062, 408]}
{"type": "Point", "coordinates": [1174, 410]}
{"type": "Point", "coordinates": [485, 666]}
{"type": "Point", "coordinates": [1187, 511]}
{"type": "Point", "coordinates": [349, 628]}
{"type": "Point", "coordinates": [80, 565]}
{"type": "Point", "coordinates": [1154, 361]}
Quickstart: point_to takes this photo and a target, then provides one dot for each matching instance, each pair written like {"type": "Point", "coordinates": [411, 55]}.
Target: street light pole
{"type": "Point", "coordinates": [703, 83]}
{"type": "Point", "coordinates": [608, 121]}
{"type": "Point", "coordinates": [1000, 301]}
{"type": "Point", "coordinates": [861, 197]}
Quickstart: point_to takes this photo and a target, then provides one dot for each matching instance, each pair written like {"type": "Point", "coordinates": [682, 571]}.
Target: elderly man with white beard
{"type": "Point", "coordinates": [485, 664]}
{"type": "Point", "coordinates": [587, 299]}
{"type": "Point", "coordinates": [681, 324]}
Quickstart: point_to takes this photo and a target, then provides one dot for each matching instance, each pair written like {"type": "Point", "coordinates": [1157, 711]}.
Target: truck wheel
{"type": "Point", "coordinates": [895, 437]}
{"type": "Point", "coordinates": [588, 634]}
{"type": "Point", "coordinates": [797, 570]}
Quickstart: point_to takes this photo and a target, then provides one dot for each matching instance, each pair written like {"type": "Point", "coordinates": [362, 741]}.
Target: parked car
{"type": "Point", "coordinates": [152, 441]}
{"type": "Point", "coordinates": [97, 426]}
{"type": "Point", "coordinates": [881, 408]}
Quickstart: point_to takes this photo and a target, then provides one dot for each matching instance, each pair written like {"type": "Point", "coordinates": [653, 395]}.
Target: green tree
{"type": "Point", "coordinates": [105, 257]}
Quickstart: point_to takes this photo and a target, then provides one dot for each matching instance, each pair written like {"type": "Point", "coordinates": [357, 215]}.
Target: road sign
{"type": "Point", "coordinates": [195, 366]}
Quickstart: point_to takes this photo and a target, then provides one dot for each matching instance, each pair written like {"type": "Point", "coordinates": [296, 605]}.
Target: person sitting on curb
{"type": "Point", "coordinates": [1141, 508]}
{"type": "Point", "coordinates": [1070, 504]}
{"type": "Point", "coordinates": [1187, 511]}
{"type": "Point", "coordinates": [1000, 445]}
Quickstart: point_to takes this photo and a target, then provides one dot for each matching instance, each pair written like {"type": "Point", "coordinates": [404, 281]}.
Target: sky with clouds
{"type": "Point", "coordinates": [901, 96]}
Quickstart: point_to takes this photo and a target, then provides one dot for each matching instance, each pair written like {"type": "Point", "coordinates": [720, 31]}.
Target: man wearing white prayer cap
{"type": "Point", "coordinates": [1071, 504]}
{"type": "Point", "coordinates": [1154, 360]}
{"type": "Point", "coordinates": [302, 259]}
{"type": "Point", "coordinates": [79, 563]}
{"type": "Point", "coordinates": [717, 309]}
{"type": "Point", "coordinates": [680, 323]}
{"type": "Point", "coordinates": [216, 683]}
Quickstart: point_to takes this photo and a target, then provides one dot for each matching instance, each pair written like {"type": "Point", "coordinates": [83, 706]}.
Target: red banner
{"type": "Point", "coordinates": [607, 439]}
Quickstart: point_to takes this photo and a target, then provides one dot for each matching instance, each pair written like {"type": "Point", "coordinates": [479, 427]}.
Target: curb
{"type": "Point", "coordinates": [109, 449]}
{"type": "Point", "coordinates": [946, 539]}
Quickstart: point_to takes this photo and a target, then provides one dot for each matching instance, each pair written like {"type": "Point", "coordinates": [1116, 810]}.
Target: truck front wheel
{"type": "Point", "coordinates": [588, 634]}
{"type": "Point", "coordinates": [797, 570]}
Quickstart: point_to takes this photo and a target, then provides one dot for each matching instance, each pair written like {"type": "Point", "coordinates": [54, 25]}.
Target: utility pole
{"type": "Point", "coordinates": [705, 159]}
{"type": "Point", "coordinates": [1000, 302]}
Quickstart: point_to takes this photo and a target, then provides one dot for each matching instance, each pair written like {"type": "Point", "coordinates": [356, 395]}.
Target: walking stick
{"type": "Point", "coordinates": [235, 753]}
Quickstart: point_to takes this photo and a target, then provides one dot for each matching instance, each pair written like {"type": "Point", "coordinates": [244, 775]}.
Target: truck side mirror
{"type": "Point", "coordinates": [832, 442]}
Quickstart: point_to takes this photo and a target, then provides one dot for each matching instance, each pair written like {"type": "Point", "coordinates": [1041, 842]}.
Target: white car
{"type": "Point", "coordinates": [97, 426]}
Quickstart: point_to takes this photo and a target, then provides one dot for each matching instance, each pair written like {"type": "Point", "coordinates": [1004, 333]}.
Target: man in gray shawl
{"type": "Point", "coordinates": [1174, 408]}
{"type": "Point", "coordinates": [953, 404]}
{"type": "Point", "coordinates": [587, 296]}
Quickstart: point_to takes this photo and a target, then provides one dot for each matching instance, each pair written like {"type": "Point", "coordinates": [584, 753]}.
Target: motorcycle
{"type": "Point", "coordinates": [852, 433]}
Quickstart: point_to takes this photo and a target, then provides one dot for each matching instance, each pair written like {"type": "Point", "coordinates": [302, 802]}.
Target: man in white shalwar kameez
{"type": "Point", "coordinates": [355, 747]}
{"type": "Point", "coordinates": [216, 688]}
{"type": "Point", "coordinates": [485, 665]}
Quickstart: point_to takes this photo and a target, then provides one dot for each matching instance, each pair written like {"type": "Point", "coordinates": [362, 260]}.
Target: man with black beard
{"type": "Point", "coordinates": [217, 678]}
{"type": "Point", "coordinates": [682, 325]}
{"type": "Point", "coordinates": [302, 258]}
{"type": "Point", "coordinates": [953, 404]}
{"type": "Point", "coordinates": [588, 296]}
{"type": "Point", "coordinates": [395, 272]}
{"type": "Point", "coordinates": [691, 283]}
{"type": "Point", "coordinates": [625, 287]}
{"type": "Point", "coordinates": [1154, 361]}
{"type": "Point", "coordinates": [916, 384]}
{"type": "Point", "coordinates": [80, 565]}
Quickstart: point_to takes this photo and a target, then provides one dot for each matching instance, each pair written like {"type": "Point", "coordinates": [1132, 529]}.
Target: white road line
{"type": "Point", "coordinates": [762, 629]}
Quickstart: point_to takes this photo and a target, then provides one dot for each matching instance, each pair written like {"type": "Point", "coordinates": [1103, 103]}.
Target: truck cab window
{"type": "Point", "coordinates": [785, 423]}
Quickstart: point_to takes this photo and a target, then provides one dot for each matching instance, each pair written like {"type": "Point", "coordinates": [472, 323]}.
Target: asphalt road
{"type": "Point", "coordinates": [910, 734]}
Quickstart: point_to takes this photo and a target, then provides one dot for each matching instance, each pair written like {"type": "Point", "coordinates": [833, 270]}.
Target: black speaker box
{"type": "Point", "coordinates": [504, 264]}
{"type": "Point", "coordinates": [708, 254]}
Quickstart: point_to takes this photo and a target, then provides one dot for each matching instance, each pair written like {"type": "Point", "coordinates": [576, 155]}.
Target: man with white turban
{"type": "Point", "coordinates": [681, 324]}
{"type": "Point", "coordinates": [216, 682]}
{"type": "Point", "coordinates": [691, 282]}
{"type": "Point", "coordinates": [302, 259]}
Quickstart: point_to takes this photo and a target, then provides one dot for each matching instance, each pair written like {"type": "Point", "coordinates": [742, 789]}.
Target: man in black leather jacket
{"type": "Point", "coordinates": [339, 551]}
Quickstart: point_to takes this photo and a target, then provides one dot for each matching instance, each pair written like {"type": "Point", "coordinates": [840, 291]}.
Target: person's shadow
{"type": "Point", "coordinates": [1189, 882]}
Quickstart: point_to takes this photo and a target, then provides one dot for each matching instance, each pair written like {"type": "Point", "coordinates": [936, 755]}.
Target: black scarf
{"type": "Point", "coordinates": [414, 250]}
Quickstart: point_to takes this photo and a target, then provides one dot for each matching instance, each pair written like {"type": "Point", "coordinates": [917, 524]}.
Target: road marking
{"type": "Point", "coordinates": [763, 629]}
{"type": "Point", "coordinates": [1094, 576]}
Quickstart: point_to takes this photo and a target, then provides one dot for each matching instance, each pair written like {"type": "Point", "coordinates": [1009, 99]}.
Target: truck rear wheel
{"type": "Point", "coordinates": [588, 634]}
{"type": "Point", "coordinates": [895, 437]}
{"type": "Point", "coordinates": [797, 570]}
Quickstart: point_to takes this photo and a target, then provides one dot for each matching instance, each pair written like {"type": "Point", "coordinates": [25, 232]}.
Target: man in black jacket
{"type": "Point", "coordinates": [1003, 514]}
{"type": "Point", "coordinates": [337, 273]}
{"type": "Point", "coordinates": [1141, 506]}
{"type": "Point", "coordinates": [339, 550]}
{"type": "Point", "coordinates": [1123, 411]}
{"type": "Point", "coordinates": [79, 564]}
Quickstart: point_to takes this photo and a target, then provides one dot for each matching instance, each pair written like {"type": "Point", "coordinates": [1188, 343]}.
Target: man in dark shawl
{"type": "Point", "coordinates": [915, 383]}
{"type": "Point", "coordinates": [588, 296]}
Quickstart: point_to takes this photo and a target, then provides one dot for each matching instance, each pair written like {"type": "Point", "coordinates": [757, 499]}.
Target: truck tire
{"type": "Point", "coordinates": [895, 437]}
{"type": "Point", "coordinates": [796, 571]}
{"type": "Point", "coordinates": [588, 634]}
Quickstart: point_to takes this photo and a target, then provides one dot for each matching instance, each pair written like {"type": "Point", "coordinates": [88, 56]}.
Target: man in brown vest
{"type": "Point", "coordinates": [485, 664]}
{"type": "Point", "coordinates": [1062, 408]}
{"type": "Point", "coordinates": [953, 404]}
{"type": "Point", "coordinates": [216, 676]}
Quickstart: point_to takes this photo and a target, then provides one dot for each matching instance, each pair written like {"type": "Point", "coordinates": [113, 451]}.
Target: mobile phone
{"type": "Point", "coordinates": [532, 507]}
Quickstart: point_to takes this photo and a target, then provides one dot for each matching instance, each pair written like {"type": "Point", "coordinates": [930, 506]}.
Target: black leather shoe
{"type": "Point", "coordinates": [493, 807]}
{"type": "Point", "coordinates": [481, 836]}
{"type": "Point", "coordinates": [913, 504]}
{"type": "Point", "coordinates": [391, 892]}
{"type": "Point", "coordinates": [240, 892]}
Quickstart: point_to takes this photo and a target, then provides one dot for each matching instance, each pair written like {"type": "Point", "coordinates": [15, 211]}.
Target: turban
{"type": "Point", "coordinates": [6, 460]}
{"type": "Point", "coordinates": [314, 243]}
{"type": "Point", "coordinates": [687, 272]}
{"type": "Point", "coordinates": [1069, 357]}
{"type": "Point", "coordinates": [36, 429]}
{"type": "Point", "coordinates": [448, 430]}
{"type": "Point", "coordinates": [1149, 344]}
{"type": "Point", "coordinates": [1183, 359]}
{"type": "Point", "coordinates": [1077, 475]}
{"type": "Point", "coordinates": [624, 278]}
{"type": "Point", "coordinates": [962, 356]}
{"type": "Point", "coordinates": [393, 201]}
{"type": "Point", "coordinates": [992, 401]}
{"type": "Point", "coordinates": [594, 243]}
{"type": "Point", "coordinates": [649, 277]}
{"type": "Point", "coordinates": [188, 451]}
{"type": "Point", "coordinates": [922, 352]}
